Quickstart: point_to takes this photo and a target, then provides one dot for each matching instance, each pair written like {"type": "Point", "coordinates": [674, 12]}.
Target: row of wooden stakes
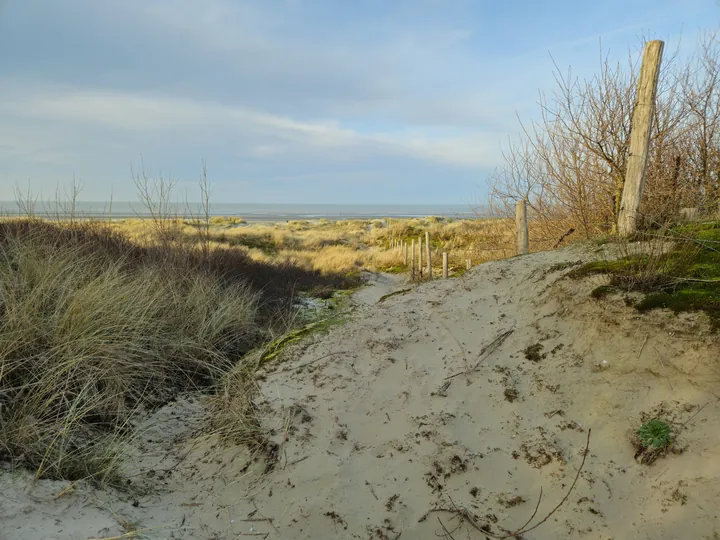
{"type": "Point", "coordinates": [408, 252]}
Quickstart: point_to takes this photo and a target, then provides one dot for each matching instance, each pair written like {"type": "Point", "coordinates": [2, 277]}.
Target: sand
{"type": "Point", "coordinates": [417, 403]}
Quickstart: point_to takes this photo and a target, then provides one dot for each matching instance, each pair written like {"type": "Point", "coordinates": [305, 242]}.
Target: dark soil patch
{"type": "Point", "coordinates": [390, 504]}
{"type": "Point", "coordinates": [534, 353]}
{"type": "Point", "coordinates": [510, 502]}
{"type": "Point", "coordinates": [337, 519]}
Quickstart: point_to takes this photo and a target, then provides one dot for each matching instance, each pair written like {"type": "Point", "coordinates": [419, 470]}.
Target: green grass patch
{"type": "Point", "coordinates": [395, 269]}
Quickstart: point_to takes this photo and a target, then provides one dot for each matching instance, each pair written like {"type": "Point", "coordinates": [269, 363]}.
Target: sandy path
{"type": "Point", "coordinates": [374, 435]}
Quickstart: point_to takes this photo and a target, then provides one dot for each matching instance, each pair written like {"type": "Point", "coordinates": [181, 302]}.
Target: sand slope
{"type": "Point", "coordinates": [373, 435]}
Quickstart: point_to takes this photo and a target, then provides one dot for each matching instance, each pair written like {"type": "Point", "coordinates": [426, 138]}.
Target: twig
{"type": "Point", "coordinates": [306, 363]}
{"type": "Point", "coordinates": [693, 416]}
{"type": "Point", "coordinates": [485, 353]}
{"type": "Point", "coordinates": [469, 518]}
{"type": "Point", "coordinates": [448, 534]}
{"type": "Point", "coordinates": [269, 520]}
{"type": "Point", "coordinates": [130, 534]}
{"type": "Point", "coordinates": [296, 461]}
{"type": "Point", "coordinates": [372, 490]}
{"type": "Point", "coordinates": [464, 354]}
{"type": "Point", "coordinates": [565, 498]}
{"type": "Point", "coordinates": [537, 507]}
{"type": "Point", "coordinates": [647, 336]}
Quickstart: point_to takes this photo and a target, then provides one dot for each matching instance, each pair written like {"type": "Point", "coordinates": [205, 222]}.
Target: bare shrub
{"type": "Point", "coordinates": [571, 164]}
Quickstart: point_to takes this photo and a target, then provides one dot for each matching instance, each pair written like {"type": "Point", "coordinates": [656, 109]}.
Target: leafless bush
{"type": "Point", "coordinates": [570, 165]}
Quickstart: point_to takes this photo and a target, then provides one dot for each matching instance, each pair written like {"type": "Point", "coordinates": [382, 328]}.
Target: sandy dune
{"type": "Point", "coordinates": [479, 390]}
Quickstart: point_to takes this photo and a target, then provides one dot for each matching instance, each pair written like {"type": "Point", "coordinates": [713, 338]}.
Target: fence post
{"type": "Point", "coordinates": [640, 138]}
{"type": "Point", "coordinates": [420, 263]}
{"type": "Point", "coordinates": [405, 251]}
{"type": "Point", "coordinates": [412, 260]}
{"type": "Point", "coordinates": [468, 264]}
{"type": "Point", "coordinates": [428, 256]}
{"type": "Point", "coordinates": [445, 265]}
{"type": "Point", "coordinates": [521, 224]}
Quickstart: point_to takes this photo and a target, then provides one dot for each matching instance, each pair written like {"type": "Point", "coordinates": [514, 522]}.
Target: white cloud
{"type": "Point", "coordinates": [142, 115]}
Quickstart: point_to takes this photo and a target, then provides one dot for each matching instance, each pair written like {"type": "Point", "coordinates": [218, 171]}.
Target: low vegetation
{"type": "Point", "coordinates": [678, 268]}
{"type": "Point", "coordinates": [347, 247]}
{"type": "Point", "coordinates": [94, 328]}
{"type": "Point", "coordinates": [654, 434]}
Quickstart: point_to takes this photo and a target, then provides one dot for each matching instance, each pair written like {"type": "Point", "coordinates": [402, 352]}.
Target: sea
{"type": "Point", "coordinates": [248, 212]}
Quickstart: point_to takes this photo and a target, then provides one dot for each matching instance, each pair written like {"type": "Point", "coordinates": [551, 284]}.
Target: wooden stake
{"type": "Point", "coordinates": [428, 255]}
{"type": "Point", "coordinates": [420, 264]}
{"type": "Point", "coordinates": [445, 265]}
{"type": "Point", "coordinates": [405, 250]}
{"type": "Point", "coordinates": [640, 138]}
{"type": "Point", "coordinates": [468, 264]}
{"type": "Point", "coordinates": [412, 260]}
{"type": "Point", "coordinates": [521, 225]}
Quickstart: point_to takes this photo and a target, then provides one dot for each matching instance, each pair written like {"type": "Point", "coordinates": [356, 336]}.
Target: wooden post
{"type": "Point", "coordinates": [468, 264]}
{"type": "Point", "coordinates": [445, 265]}
{"type": "Point", "coordinates": [521, 225]}
{"type": "Point", "coordinates": [405, 250]}
{"type": "Point", "coordinates": [427, 255]}
{"type": "Point", "coordinates": [640, 138]}
{"type": "Point", "coordinates": [420, 265]}
{"type": "Point", "coordinates": [412, 260]}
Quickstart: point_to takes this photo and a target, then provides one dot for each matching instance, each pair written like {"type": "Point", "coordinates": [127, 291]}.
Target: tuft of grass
{"type": "Point", "coordinates": [654, 434]}
{"type": "Point", "coordinates": [95, 327]}
{"type": "Point", "coordinates": [88, 336]}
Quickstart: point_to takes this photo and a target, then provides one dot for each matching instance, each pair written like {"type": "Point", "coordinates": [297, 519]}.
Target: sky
{"type": "Point", "coordinates": [295, 101]}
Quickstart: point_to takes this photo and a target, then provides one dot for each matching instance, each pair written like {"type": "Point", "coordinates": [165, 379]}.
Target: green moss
{"type": "Point", "coordinates": [563, 266]}
{"type": "Point", "coordinates": [273, 350]}
{"type": "Point", "coordinates": [690, 298]}
{"type": "Point", "coordinates": [605, 267]}
{"type": "Point", "coordinates": [685, 279]}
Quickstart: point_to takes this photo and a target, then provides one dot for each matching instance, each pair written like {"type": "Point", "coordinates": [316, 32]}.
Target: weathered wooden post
{"type": "Point", "coordinates": [445, 265]}
{"type": "Point", "coordinates": [427, 255]}
{"type": "Point", "coordinates": [412, 260]}
{"type": "Point", "coordinates": [640, 138]}
{"type": "Point", "coordinates": [405, 251]}
{"type": "Point", "coordinates": [521, 224]}
{"type": "Point", "coordinates": [420, 263]}
{"type": "Point", "coordinates": [468, 264]}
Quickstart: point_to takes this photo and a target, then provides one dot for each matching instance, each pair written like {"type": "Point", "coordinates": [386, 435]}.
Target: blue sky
{"type": "Point", "coordinates": [295, 101]}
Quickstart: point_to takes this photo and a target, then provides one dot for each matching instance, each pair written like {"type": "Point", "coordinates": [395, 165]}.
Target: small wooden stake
{"type": "Point", "coordinates": [412, 260]}
{"type": "Point", "coordinates": [521, 225]}
{"type": "Point", "coordinates": [420, 264]}
{"type": "Point", "coordinates": [405, 251]}
{"type": "Point", "coordinates": [428, 256]}
{"type": "Point", "coordinates": [445, 265]}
